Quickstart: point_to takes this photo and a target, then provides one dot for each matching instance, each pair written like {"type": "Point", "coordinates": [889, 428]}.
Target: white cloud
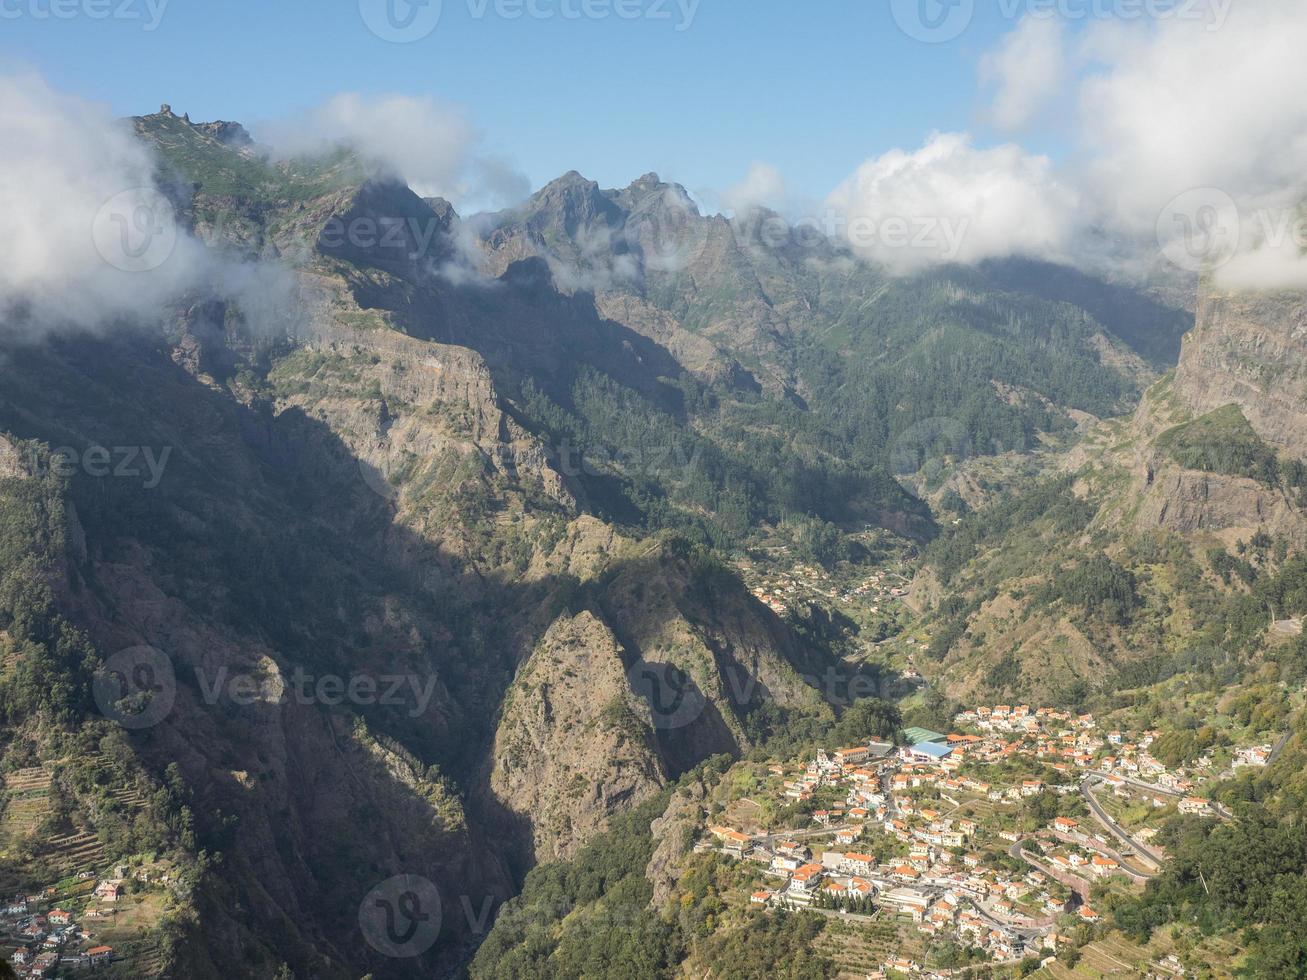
{"type": "Point", "coordinates": [950, 201]}
{"type": "Point", "coordinates": [86, 239]}
{"type": "Point", "coordinates": [1027, 69]}
{"type": "Point", "coordinates": [1269, 268]}
{"type": "Point", "coordinates": [1189, 129]}
{"type": "Point", "coordinates": [1181, 106]}
{"type": "Point", "coordinates": [1184, 111]}
{"type": "Point", "coordinates": [762, 186]}
{"type": "Point", "coordinates": [426, 143]}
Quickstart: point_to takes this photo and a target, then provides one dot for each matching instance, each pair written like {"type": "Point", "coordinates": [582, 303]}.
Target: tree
{"type": "Point", "coordinates": [868, 719]}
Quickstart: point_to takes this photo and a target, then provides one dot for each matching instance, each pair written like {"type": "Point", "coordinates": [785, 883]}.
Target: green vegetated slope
{"type": "Point", "coordinates": [518, 492]}
{"type": "Point", "coordinates": [597, 915]}
{"type": "Point", "coordinates": [77, 798]}
{"type": "Point", "coordinates": [887, 372]}
{"type": "Point", "coordinates": [1088, 590]}
{"type": "Point", "coordinates": [1223, 442]}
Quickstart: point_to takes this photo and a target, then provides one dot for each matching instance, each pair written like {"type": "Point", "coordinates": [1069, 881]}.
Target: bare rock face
{"type": "Point", "coordinates": [1247, 350]}
{"type": "Point", "coordinates": [1250, 350]}
{"type": "Point", "coordinates": [11, 460]}
{"type": "Point", "coordinates": [570, 750]}
{"type": "Point", "coordinates": [228, 133]}
{"type": "Point", "coordinates": [674, 832]}
{"type": "Point", "coordinates": [1187, 502]}
{"type": "Point", "coordinates": [698, 354]}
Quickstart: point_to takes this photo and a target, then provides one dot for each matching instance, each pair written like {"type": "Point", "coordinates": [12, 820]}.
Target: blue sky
{"type": "Point", "coordinates": [813, 88]}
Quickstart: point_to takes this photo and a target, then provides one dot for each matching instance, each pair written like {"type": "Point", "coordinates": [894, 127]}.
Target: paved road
{"type": "Point", "coordinates": [1139, 784]}
{"type": "Point", "coordinates": [1101, 815]}
{"type": "Point", "coordinates": [796, 835]}
{"type": "Point", "coordinates": [1279, 747]}
{"type": "Point", "coordinates": [1093, 845]}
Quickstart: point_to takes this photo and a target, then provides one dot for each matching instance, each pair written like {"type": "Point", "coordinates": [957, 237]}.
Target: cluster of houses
{"type": "Point", "coordinates": [899, 840]}
{"type": "Point", "coordinates": [920, 877]}
{"type": "Point", "coordinates": [1067, 743]}
{"type": "Point", "coordinates": [1257, 755]}
{"type": "Point", "coordinates": [42, 939]}
{"type": "Point", "coordinates": [776, 590]}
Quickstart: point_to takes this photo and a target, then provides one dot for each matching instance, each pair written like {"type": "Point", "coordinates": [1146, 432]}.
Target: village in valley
{"type": "Point", "coordinates": [986, 845]}
{"type": "Point", "coordinates": [47, 937]}
{"type": "Point", "coordinates": [91, 916]}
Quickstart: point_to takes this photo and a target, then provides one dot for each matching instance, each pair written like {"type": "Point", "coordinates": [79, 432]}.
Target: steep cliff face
{"type": "Point", "coordinates": [1250, 349]}
{"type": "Point", "coordinates": [1145, 488]}
{"type": "Point", "coordinates": [572, 746]}
{"type": "Point", "coordinates": [1188, 502]}
{"type": "Point", "coordinates": [234, 568]}
{"type": "Point", "coordinates": [1242, 377]}
{"type": "Point", "coordinates": [356, 496]}
{"type": "Point", "coordinates": [674, 834]}
{"type": "Point", "coordinates": [1207, 464]}
{"type": "Point", "coordinates": [659, 671]}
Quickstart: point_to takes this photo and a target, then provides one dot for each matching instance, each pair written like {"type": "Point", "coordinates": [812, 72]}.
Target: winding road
{"type": "Point", "coordinates": [1143, 851]}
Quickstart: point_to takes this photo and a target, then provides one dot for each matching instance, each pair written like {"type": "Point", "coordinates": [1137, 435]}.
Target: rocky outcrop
{"type": "Point", "coordinates": [1250, 349]}
{"type": "Point", "coordinates": [11, 460]}
{"type": "Point", "coordinates": [571, 749]}
{"type": "Point", "coordinates": [231, 134]}
{"type": "Point", "coordinates": [657, 674]}
{"type": "Point", "coordinates": [674, 833]}
{"type": "Point", "coordinates": [1189, 502]}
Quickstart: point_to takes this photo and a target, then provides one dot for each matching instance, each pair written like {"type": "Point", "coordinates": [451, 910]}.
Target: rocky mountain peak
{"type": "Point", "coordinates": [231, 134]}
{"type": "Point", "coordinates": [443, 210]}
{"type": "Point", "coordinates": [570, 203]}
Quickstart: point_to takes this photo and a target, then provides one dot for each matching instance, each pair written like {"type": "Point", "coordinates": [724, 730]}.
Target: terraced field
{"type": "Point", "coordinates": [133, 935]}
{"type": "Point", "coordinates": [27, 802]}
{"type": "Point", "coordinates": [1113, 957]}
{"type": "Point", "coordinates": [861, 949]}
{"type": "Point", "coordinates": [69, 853]}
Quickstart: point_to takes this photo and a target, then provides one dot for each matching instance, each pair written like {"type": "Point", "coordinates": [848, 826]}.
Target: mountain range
{"type": "Point", "coordinates": [493, 475]}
